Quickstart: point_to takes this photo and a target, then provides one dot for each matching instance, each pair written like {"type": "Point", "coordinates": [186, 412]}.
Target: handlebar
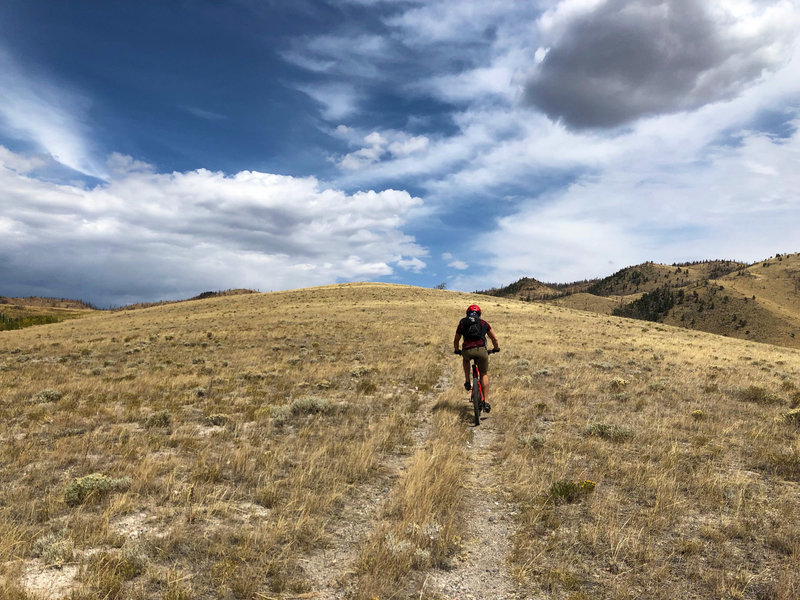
{"type": "Point", "coordinates": [492, 351]}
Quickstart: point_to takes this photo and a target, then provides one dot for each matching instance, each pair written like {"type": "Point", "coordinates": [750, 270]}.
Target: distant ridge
{"type": "Point", "coordinates": [531, 289]}
{"type": "Point", "coordinates": [759, 301]}
{"type": "Point", "coordinates": [201, 296]}
{"type": "Point", "coordinates": [38, 301]}
{"type": "Point", "coordinates": [19, 313]}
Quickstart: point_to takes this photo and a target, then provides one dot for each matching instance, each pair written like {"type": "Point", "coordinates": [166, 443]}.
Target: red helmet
{"type": "Point", "coordinates": [474, 308]}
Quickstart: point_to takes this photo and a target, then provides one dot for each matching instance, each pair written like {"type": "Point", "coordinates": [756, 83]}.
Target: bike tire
{"type": "Point", "coordinates": [476, 400]}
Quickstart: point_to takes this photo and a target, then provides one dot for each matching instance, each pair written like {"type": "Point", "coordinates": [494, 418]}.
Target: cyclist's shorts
{"type": "Point", "coordinates": [481, 356]}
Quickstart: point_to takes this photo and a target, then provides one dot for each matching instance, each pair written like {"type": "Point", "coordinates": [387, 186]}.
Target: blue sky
{"type": "Point", "coordinates": [154, 150]}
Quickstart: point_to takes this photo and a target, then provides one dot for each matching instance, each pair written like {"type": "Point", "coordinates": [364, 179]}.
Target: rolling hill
{"type": "Point", "coordinates": [759, 302]}
{"type": "Point", "coordinates": [16, 313]}
{"type": "Point", "coordinates": [317, 444]}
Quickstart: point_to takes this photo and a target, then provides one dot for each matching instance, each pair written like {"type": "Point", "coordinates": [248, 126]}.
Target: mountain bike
{"type": "Point", "coordinates": [479, 405]}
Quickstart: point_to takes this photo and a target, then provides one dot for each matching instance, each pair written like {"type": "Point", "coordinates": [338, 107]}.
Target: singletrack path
{"type": "Point", "coordinates": [481, 572]}
{"type": "Point", "coordinates": [331, 569]}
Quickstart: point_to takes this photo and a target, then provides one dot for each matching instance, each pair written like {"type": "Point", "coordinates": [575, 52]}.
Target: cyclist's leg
{"type": "Point", "coordinates": [483, 367]}
{"type": "Point", "coordinates": [465, 362]}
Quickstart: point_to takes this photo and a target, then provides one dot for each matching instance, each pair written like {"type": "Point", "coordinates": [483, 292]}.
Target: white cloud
{"type": "Point", "coordinates": [413, 264]}
{"type": "Point", "coordinates": [702, 180]}
{"type": "Point", "coordinates": [458, 264]}
{"type": "Point", "coordinates": [438, 22]}
{"type": "Point", "coordinates": [18, 162]}
{"type": "Point", "coordinates": [351, 54]}
{"type": "Point", "coordinates": [147, 235]}
{"type": "Point", "coordinates": [411, 145]}
{"type": "Point", "coordinates": [120, 164]}
{"type": "Point", "coordinates": [338, 100]}
{"type": "Point", "coordinates": [48, 115]}
{"type": "Point", "coordinates": [730, 206]}
{"type": "Point", "coordinates": [379, 146]}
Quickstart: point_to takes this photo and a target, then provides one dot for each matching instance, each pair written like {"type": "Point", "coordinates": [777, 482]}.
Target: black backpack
{"type": "Point", "coordinates": [473, 327]}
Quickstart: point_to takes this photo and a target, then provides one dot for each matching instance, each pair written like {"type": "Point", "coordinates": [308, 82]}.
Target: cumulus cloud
{"type": "Point", "coordinates": [148, 235]}
{"type": "Point", "coordinates": [694, 92]}
{"type": "Point", "coordinates": [741, 203]}
{"type": "Point", "coordinates": [121, 164]}
{"type": "Point", "coordinates": [604, 64]}
{"type": "Point", "coordinates": [377, 146]}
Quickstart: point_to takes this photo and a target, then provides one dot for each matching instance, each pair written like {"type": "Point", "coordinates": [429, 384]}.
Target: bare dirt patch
{"type": "Point", "coordinates": [49, 583]}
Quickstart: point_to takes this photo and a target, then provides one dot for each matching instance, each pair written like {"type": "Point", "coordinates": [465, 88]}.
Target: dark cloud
{"type": "Point", "coordinates": [633, 58]}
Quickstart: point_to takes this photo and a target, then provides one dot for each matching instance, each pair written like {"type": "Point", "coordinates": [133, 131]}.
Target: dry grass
{"type": "Point", "coordinates": [423, 521]}
{"type": "Point", "coordinates": [696, 479]}
{"type": "Point", "coordinates": [235, 430]}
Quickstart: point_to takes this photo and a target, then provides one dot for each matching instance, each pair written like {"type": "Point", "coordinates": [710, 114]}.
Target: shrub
{"type": "Point", "coordinates": [92, 488]}
{"type": "Point", "coordinates": [566, 491]}
{"type": "Point", "coordinates": [161, 418]}
{"type": "Point", "coordinates": [218, 419]}
{"type": "Point", "coordinates": [53, 549]}
{"type": "Point", "coordinates": [533, 440]}
{"type": "Point", "coordinates": [618, 383]}
{"type": "Point", "coordinates": [310, 405]}
{"type": "Point", "coordinates": [699, 415]}
{"type": "Point", "coordinates": [48, 395]}
{"type": "Point", "coordinates": [793, 416]}
{"type": "Point", "coordinates": [603, 366]}
{"type": "Point", "coordinates": [759, 395]}
{"type": "Point", "coordinates": [280, 414]}
{"type": "Point", "coordinates": [614, 433]}
{"type": "Point", "coordinates": [784, 462]}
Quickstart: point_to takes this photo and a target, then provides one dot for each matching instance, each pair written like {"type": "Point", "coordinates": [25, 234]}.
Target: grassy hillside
{"type": "Point", "coordinates": [16, 313]}
{"type": "Point", "coordinates": [317, 444]}
{"type": "Point", "coordinates": [526, 288]}
{"type": "Point", "coordinates": [598, 304]}
{"type": "Point", "coordinates": [652, 276]}
{"type": "Point", "coordinates": [201, 296]}
{"type": "Point", "coordinates": [760, 302]}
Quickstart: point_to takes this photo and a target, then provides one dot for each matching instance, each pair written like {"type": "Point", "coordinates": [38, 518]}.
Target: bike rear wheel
{"type": "Point", "coordinates": [477, 401]}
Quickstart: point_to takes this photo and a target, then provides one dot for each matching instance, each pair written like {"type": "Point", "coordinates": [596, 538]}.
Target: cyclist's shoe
{"type": "Point", "coordinates": [487, 407]}
{"type": "Point", "coordinates": [467, 385]}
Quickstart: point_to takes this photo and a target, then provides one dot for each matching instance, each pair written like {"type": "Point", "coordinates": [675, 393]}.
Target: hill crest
{"type": "Point", "coordinates": [759, 301]}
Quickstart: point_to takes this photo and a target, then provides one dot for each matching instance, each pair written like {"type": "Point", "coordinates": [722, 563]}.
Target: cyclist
{"type": "Point", "coordinates": [474, 331]}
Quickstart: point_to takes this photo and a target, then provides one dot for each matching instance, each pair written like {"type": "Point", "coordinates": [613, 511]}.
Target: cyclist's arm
{"type": "Point", "coordinates": [457, 341]}
{"type": "Point", "coordinates": [493, 337]}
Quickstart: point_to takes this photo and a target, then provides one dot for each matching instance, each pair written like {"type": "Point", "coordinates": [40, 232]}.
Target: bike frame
{"type": "Point", "coordinates": [476, 396]}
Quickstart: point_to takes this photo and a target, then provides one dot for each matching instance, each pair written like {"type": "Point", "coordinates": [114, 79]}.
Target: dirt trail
{"type": "Point", "coordinates": [331, 569]}
{"type": "Point", "coordinates": [481, 572]}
